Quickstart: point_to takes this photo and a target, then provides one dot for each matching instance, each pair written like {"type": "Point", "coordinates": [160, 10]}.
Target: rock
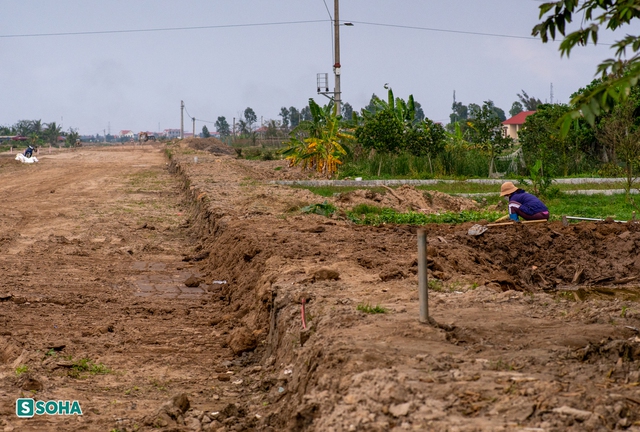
{"type": "Point", "coordinates": [28, 383]}
{"type": "Point", "coordinates": [579, 415]}
{"type": "Point", "coordinates": [400, 409]}
{"type": "Point", "coordinates": [231, 410]}
{"type": "Point", "coordinates": [224, 377]}
{"type": "Point", "coordinates": [242, 340]}
{"type": "Point", "coordinates": [171, 411]}
{"type": "Point", "coordinates": [325, 274]}
{"type": "Point", "coordinates": [193, 282]}
{"type": "Point", "coordinates": [392, 274]}
{"type": "Point", "coordinates": [304, 336]}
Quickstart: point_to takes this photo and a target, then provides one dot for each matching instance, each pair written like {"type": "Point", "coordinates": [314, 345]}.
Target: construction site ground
{"type": "Point", "coordinates": [162, 289]}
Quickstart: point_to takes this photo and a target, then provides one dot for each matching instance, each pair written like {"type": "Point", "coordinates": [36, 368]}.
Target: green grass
{"type": "Point", "coordinates": [593, 206]}
{"type": "Point", "coordinates": [367, 308]}
{"type": "Point", "coordinates": [386, 215]}
{"type": "Point", "coordinates": [89, 366]}
{"type": "Point", "coordinates": [22, 369]}
{"type": "Point", "coordinates": [455, 188]}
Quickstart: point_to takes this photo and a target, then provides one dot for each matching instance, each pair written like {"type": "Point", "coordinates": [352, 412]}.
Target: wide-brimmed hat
{"type": "Point", "coordinates": [507, 188]}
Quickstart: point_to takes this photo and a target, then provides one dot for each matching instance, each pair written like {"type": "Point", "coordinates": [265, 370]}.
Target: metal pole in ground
{"type": "Point", "coordinates": [423, 293]}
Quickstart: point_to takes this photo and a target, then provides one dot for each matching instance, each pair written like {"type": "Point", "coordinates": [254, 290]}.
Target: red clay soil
{"type": "Point", "coordinates": [186, 280]}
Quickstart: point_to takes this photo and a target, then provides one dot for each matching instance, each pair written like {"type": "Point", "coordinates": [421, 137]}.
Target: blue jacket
{"type": "Point", "coordinates": [526, 202]}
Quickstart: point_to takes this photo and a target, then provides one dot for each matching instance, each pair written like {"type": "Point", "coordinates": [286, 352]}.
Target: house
{"type": "Point", "coordinates": [126, 134]}
{"type": "Point", "coordinates": [511, 127]}
{"type": "Point", "coordinates": [171, 133]}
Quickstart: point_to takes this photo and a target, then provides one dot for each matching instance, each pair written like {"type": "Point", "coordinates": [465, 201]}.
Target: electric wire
{"type": "Point", "coordinates": [160, 29]}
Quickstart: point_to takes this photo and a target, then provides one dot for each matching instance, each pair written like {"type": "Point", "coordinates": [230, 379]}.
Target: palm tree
{"type": "Point", "coordinates": [52, 132]}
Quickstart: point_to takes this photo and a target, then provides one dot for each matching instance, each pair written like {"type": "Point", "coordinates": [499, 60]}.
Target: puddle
{"type": "Point", "coordinates": [165, 281]}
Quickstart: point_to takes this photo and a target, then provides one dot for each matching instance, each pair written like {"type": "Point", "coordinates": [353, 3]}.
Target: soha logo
{"type": "Point", "coordinates": [27, 407]}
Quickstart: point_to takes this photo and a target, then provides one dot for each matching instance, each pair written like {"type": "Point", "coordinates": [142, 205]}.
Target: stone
{"type": "Point", "coordinates": [242, 340]}
{"type": "Point", "coordinates": [579, 415]}
{"type": "Point", "coordinates": [193, 282]}
{"type": "Point", "coordinates": [400, 410]}
{"type": "Point", "coordinates": [325, 274]}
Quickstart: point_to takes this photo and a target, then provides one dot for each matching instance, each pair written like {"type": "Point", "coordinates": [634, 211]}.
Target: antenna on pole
{"type": "Point", "coordinates": [551, 93]}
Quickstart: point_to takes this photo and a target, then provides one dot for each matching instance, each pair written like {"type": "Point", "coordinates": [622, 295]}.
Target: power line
{"type": "Point", "coordinates": [197, 119]}
{"type": "Point", "coordinates": [160, 29]}
{"type": "Point", "coordinates": [451, 31]}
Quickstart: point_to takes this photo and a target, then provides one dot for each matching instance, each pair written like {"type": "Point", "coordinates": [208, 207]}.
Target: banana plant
{"type": "Point", "coordinates": [323, 141]}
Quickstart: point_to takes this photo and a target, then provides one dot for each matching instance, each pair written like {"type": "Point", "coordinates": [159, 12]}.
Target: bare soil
{"type": "Point", "coordinates": [167, 294]}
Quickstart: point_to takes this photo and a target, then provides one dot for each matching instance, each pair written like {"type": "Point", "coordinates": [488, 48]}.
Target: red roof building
{"type": "Point", "coordinates": [511, 126]}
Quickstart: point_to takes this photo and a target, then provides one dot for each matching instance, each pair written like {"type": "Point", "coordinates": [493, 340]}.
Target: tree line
{"type": "Point", "coordinates": [39, 133]}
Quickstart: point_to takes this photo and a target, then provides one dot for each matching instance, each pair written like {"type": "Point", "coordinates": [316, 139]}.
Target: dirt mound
{"type": "Point", "coordinates": [408, 198]}
{"type": "Point", "coordinates": [212, 145]}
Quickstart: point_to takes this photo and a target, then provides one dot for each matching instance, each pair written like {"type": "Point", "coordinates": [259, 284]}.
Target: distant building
{"type": "Point", "coordinates": [126, 134]}
{"type": "Point", "coordinates": [511, 127]}
{"type": "Point", "coordinates": [171, 133]}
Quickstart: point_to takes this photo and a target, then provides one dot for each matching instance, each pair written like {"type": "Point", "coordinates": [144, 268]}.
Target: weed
{"type": "Point", "coordinates": [87, 365]}
{"type": "Point", "coordinates": [22, 369]}
{"type": "Point", "coordinates": [436, 285]}
{"type": "Point", "coordinates": [50, 353]}
{"type": "Point", "coordinates": [474, 285]}
{"type": "Point", "coordinates": [367, 308]}
{"type": "Point", "coordinates": [277, 168]}
{"type": "Point", "coordinates": [324, 209]}
{"type": "Point", "coordinates": [624, 312]}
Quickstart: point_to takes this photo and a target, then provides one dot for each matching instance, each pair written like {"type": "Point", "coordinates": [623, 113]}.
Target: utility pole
{"type": "Point", "coordinates": [234, 127]}
{"type": "Point", "coordinates": [105, 134]}
{"type": "Point", "coordinates": [194, 126]}
{"type": "Point", "coordinates": [336, 64]}
{"type": "Point", "coordinates": [181, 119]}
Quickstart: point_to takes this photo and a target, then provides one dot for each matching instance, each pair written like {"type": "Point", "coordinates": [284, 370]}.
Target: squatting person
{"type": "Point", "coordinates": [523, 204]}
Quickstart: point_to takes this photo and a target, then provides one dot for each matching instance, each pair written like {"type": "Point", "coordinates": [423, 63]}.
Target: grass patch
{"type": "Point", "coordinates": [324, 209]}
{"type": "Point", "coordinates": [84, 366]}
{"type": "Point", "coordinates": [367, 308]}
{"type": "Point", "coordinates": [594, 206]}
{"type": "Point", "coordinates": [387, 215]}
{"type": "Point", "coordinates": [22, 369]}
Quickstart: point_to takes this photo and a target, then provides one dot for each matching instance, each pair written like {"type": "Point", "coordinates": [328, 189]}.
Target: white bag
{"type": "Point", "coordinates": [22, 158]}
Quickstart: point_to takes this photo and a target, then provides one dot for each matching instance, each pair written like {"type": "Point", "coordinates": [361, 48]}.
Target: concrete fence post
{"type": "Point", "coordinates": [423, 292]}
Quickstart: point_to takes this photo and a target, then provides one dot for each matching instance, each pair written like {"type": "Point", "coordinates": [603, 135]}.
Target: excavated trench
{"type": "Point", "coordinates": [332, 375]}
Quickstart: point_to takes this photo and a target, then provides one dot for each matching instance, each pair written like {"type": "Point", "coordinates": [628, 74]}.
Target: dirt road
{"type": "Point", "coordinates": [93, 305]}
{"type": "Point", "coordinates": [537, 325]}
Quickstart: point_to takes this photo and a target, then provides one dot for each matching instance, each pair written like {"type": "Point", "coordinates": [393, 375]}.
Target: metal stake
{"type": "Point", "coordinates": [423, 292]}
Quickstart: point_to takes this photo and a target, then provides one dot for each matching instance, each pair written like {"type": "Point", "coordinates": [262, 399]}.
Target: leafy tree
{"type": "Point", "coordinates": [72, 136]}
{"type": "Point", "coordinates": [516, 109]}
{"type": "Point", "coordinates": [393, 127]}
{"type": "Point", "coordinates": [305, 113]}
{"type": "Point", "coordinates": [529, 102]}
{"type": "Point", "coordinates": [205, 132]}
{"type": "Point", "coordinates": [326, 142]}
{"type": "Point", "coordinates": [623, 74]}
{"type": "Point", "coordinates": [542, 141]}
{"type": "Point", "coordinates": [222, 127]}
{"type": "Point", "coordinates": [485, 130]}
{"type": "Point", "coordinates": [459, 114]}
{"type": "Point", "coordinates": [621, 133]}
{"type": "Point", "coordinates": [284, 113]}
{"type": "Point", "coordinates": [419, 112]}
{"type": "Point", "coordinates": [347, 111]}
{"type": "Point", "coordinates": [250, 117]}
{"type": "Point", "coordinates": [272, 129]}
{"type": "Point", "coordinates": [243, 127]}
{"type": "Point", "coordinates": [294, 116]}
{"type": "Point", "coordinates": [371, 106]}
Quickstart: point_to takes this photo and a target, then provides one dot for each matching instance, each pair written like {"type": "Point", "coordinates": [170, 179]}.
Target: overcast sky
{"type": "Point", "coordinates": [136, 80]}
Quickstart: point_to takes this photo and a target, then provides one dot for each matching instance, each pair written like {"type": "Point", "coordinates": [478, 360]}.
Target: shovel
{"type": "Point", "coordinates": [477, 229]}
